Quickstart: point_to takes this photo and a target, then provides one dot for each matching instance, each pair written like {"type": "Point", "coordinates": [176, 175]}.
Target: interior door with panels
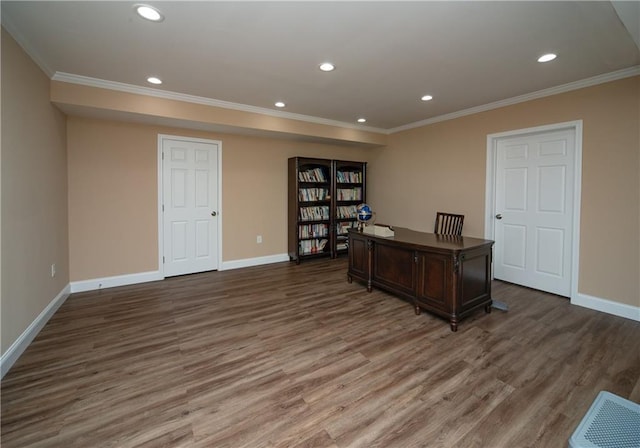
{"type": "Point", "coordinates": [190, 206]}
{"type": "Point", "coordinates": [534, 205]}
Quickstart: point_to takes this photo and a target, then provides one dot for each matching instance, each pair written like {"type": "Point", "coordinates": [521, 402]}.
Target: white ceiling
{"type": "Point", "coordinates": [387, 54]}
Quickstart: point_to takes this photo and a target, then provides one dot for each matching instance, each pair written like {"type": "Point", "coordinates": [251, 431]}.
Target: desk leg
{"type": "Point", "coordinates": [454, 325]}
{"type": "Point", "coordinates": [487, 308]}
{"type": "Point", "coordinates": [417, 309]}
{"type": "Point", "coordinates": [369, 265]}
{"type": "Point", "coordinates": [349, 278]}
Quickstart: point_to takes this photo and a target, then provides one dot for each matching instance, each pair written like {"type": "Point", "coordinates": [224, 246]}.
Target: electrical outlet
{"type": "Point", "coordinates": [53, 270]}
{"type": "Point", "coordinates": [259, 239]}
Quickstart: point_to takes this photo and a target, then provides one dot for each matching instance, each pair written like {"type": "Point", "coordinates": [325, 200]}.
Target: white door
{"type": "Point", "coordinates": [190, 206]}
{"type": "Point", "coordinates": [534, 210]}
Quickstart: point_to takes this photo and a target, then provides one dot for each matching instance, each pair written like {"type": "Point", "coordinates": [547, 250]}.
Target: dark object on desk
{"type": "Point", "coordinates": [444, 274]}
{"type": "Point", "coordinates": [448, 224]}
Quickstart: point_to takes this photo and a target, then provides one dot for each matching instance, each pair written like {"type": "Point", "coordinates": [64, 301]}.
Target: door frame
{"type": "Point", "coordinates": [490, 189]}
{"type": "Point", "coordinates": [161, 139]}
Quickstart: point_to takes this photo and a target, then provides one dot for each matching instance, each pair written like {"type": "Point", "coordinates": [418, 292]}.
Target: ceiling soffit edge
{"type": "Point", "coordinates": [81, 100]}
{"type": "Point", "coordinates": [164, 94]}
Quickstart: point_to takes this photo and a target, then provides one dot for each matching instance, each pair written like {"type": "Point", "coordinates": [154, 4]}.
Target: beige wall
{"type": "Point", "coordinates": [113, 199]}
{"type": "Point", "coordinates": [34, 194]}
{"type": "Point", "coordinates": [442, 167]}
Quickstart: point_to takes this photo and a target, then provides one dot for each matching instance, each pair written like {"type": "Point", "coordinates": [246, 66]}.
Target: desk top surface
{"type": "Point", "coordinates": [414, 238]}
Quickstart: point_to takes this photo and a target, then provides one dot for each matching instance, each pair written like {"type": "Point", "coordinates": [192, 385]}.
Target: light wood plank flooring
{"type": "Point", "coordinates": [289, 355]}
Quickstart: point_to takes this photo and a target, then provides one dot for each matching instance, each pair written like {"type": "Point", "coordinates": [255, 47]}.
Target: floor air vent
{"type": "Point", "coordinates": [612, 422]}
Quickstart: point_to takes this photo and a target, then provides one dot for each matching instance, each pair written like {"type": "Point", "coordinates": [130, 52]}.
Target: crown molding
{"type": "Point", "coordinates": [588, 82]}
{"type": "Point", "coordinates": [148, 91]}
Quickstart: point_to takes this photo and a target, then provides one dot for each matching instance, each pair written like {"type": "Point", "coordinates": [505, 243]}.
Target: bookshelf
{"type": "Point", "coordinates": [322, 199]}
{"type": "Point", "coordinates": [349, 191]}
{"type": "Point", "coordinates": [309, 208]}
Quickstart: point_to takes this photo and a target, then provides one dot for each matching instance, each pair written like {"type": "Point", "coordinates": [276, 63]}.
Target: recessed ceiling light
{"type": "Point", "coordinates": [154, 80]}
{"type": "Point", "coordinates": [362, 120]}
{"type": "Point", "coordinates": [327, 67]}
{"type": "Point", "coordinates": [426, 98]}
{"type": "Point", "coordinates": [280, 104]}
{"type": "Point", "coordinates": [547, 57]}
{"type": "Point", "coordinates": [149, 13]}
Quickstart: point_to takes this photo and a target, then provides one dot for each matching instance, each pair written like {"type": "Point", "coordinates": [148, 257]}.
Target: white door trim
{"type": "Point", "coordinates": [161, 139]}
{"type": "Point", "coordinates": [490, 190]}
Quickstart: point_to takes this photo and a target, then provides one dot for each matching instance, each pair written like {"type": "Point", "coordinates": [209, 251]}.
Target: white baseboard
{"type": "Point", "coordinates": [607, 306]}
{"type": "Point", "coordinates": [151, 276]}
{"type": "Point", "coordinates": [118, 280]}
{"type": "Point", "coordinates": [20, 345]}
{"type": "Point", "coordinates": [247, 262]}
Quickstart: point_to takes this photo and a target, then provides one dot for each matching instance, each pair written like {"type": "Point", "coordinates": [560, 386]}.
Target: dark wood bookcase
{"type": "Point", "coordinates": [322, 199]}
{"type": "Point", "coordinates": [349, 180]}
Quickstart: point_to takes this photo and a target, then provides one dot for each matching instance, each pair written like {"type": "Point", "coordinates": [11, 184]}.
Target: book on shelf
{"type": "Point", "coordinates": [314, 213]}
{"type": "Point", "coordinates": [312, 175]}
{"type": "Point", "coordinates": [313, 194]}
{"type": "Point", "coordinates": [313, 230]}
{"type": "Point", "coordinates": [349, 177]}
{"type": "Point", "coordinates": [346, 212]}
{"type": "Point", "coordinates": [312, 246]}
{"type": "Point", "coordinates": [349, 194]}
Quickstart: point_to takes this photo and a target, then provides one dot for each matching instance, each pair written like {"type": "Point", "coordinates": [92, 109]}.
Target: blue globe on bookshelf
{"type": "Point", "coordinates": [364, 213]}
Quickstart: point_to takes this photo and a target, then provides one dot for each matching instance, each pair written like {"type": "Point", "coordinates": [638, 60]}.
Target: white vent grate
{"type": "Point", "coordinates": [612, 422]}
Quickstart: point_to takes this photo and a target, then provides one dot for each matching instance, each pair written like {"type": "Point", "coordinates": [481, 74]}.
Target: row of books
{"type": "Point", "coordinates": [312, 175]}
{"type": "Point", "coordinates": [316, 213]}
{"type": "Point", "coordinates": [343, 227]}
{"type": "Point", "coordinates": [313, 194]}
{"type": "Point", "coordinates": [352, 177]}
{"type": "Point", "coordinates": [312, 246]}
{"type": "Point", "coordinates": [349, 194]}
{"type": "Point", "coordinates": [318, 175]}
{"type": "Point", "coordinates": [346, 211]}
{"type": "Point", "coordinates": [342, 241]}
{"type": "Point", "coordinates": [313, 230]}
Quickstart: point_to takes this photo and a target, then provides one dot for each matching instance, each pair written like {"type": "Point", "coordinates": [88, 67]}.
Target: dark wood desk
{"type": "Point", "coordinates": [446, 275]}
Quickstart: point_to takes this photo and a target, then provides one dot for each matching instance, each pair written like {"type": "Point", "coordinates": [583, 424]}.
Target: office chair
{"type": "Point", "coordinates": [448, 224]}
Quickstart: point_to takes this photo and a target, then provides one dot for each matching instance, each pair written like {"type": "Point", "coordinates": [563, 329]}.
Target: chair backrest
{"type": "Point", "coordinates": [448, 224]}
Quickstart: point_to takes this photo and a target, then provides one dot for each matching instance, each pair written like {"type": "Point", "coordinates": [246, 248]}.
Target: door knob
{"type": "Point", "coordinates": [213, 213]}
{"type": "Point", "coordinates": [498, 216]}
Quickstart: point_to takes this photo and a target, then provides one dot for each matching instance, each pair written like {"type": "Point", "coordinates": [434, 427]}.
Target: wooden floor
{"type": "Point", "coordinates": [289, 355]}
